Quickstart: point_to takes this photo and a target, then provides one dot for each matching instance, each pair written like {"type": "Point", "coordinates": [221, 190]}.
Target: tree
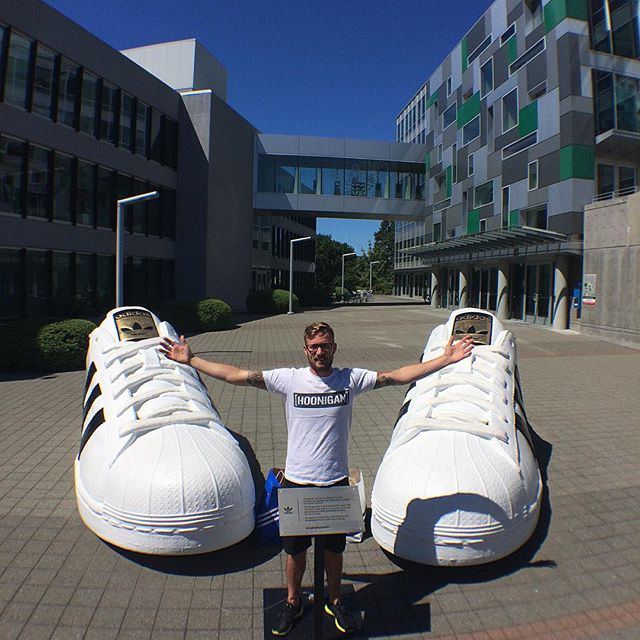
{"type": "Point", "coordinates": [383, 245]}
{"type": "Point", "coordinates": [329, 254]}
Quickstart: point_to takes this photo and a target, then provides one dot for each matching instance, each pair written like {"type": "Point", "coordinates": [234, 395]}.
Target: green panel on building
{"type": "Point", "coordinates": [577, 161]}
{"type": "Point", "coordinates": [556, 11]}
{"type": "Point", "coordinates": [514, 218]}
{"type": "Point", "coordinates": [528, 119]}
{"type": "Point", "coordinates": [449, 178]}
{"type": "Point", "coordinates": [469, 110]}
{"type": "Point", "coordinates": [512, 49]}
{"type": "Point", "coordinates": [473, 221]}
{"type": "Point", "coordinates": [464, 47]}
{"type": "Point", "coordinates": [431, 99]}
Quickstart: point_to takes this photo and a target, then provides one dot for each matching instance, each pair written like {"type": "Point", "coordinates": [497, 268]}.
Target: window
{"type": "Point", "coordinates": [471, 131]}
{"type": "Point", "coordinates": [108, 110]}
{"type": "Point", "coordinates": [37, 277]}
{"type": "Point", "coordinates": [142, 129]}
{"type": "Point", "coordinates": [11, 169]}
{"type": "Point", "coordinates": [626, 180]}
{"type": "Point", "coordinates": [38, 182]}
{"type": "Point", "coordinates": [505, 206]}
{"type": "Point", "coordinates": [533, 175]}
{"type": "Point", "coordinates": [139, 209]}
{"type": "Point", "coordinates": [614, 27]}
{"type": "Point", "coordinates": [511, 31]}
{"type": "Point", "coordinates": [449, 116]}
{"type": "Point", "coordinates": [154, 214]}
{"type": "Point", "coordinates": [67, 92]}
{"type": "Point", "coordinates": [449, 86]}
{"type": "Point", "coordinates": [483, 194]}
{"type": "Point", "coordinates": [439, 153]}
{"type": "Point", "coordinates": [42, 101]}
{"type": "Point", "coordinates": [533, 14]}
{"type": "Point", "coordinates": [355, 177]}
{"type": "Point", "coordinates": [527, 56]}
{"type": "Point", "coordinates": [479, 49]}
{"type": "Point", "coordinates": [88, 103]}
{"type": "Point", "coordinates": [510, 111]}
{"type": "Point", "coordinates": [536, 218]}
{"type": "Point", "coordinates": [486, 78]}
{"type": "Point", "coordinates": [437, 231]}
{"type": "Point", "coordinates": [309, 173]}
{"type": "Point", "coordinates": [520, 145]}
{"type": "Point", "coordinates": [470, 168]}
{"type": "Point", "coordinates": [332, 176]}
{"type": "Point", "coordinates": [626, 103]}
{"type": "Point", "coordinates": [17, 74]}
{"type": "Point", "coordinates": [61, 285]}
{"type": "Point", "coordinates": [62, 187]}
{"type": "Point", "coordinates": [126, 121]}
{"type": "Point", "coordinates": [377, 179]}
{"type": "Point", "coordinates": [85, 193]}
{"type": "Point", "coordinates": [11, 282]}
{"type": "Point", "coordinates": [483, 224]}
{"type": "Point", "coordinates": [454, 162]}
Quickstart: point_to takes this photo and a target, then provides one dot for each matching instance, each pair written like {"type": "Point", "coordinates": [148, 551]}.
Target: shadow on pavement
{"type": "Point", "coordinates": [398, 594]}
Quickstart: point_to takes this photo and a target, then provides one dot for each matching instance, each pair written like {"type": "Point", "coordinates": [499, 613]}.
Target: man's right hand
{"type": "Point", "coordinates": [177, 351]}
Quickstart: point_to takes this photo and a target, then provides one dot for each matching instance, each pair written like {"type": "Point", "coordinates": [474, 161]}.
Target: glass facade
{"type": "Point", "coordinates": [67, 93]}
{"type": "Point", "coordinates": [89, 103]}
{"type": "Point", "coordinates": [17, 70]}
{"type": "Point", "coordinates": [617, 99]}
{"type": "Point", "coordinates": [43, 76]}
{"type": "Point", "coordinates": [11, 174]}
{"type": "Point", "coordinates": [614, 27]}
{"type": "Point", "coordinates": [338, 177]}
{"type": "Point", "coordinates": [38, 180]}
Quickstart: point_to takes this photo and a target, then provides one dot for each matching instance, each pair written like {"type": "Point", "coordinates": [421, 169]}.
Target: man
{"type": "Point", "coordinates": [318, 403]}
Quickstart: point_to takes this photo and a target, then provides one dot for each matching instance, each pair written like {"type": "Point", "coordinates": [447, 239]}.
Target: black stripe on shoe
{"type": "Point", "coordinates": [89, 430]}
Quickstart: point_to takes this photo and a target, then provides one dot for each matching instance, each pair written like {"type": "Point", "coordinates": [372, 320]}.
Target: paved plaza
{"type": "Point", "coordinates": [579, 577]}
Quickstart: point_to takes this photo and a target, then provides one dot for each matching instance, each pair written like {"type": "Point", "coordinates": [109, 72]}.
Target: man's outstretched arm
{"type": "Point", "coordinates": [412, 372]}
{"type": "Point", "coordinates": [181, 352]}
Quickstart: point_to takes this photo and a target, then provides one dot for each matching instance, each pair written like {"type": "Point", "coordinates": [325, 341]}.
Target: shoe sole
{"type": "Point", "coordinates": [335, 620]}
{"type": "Point", "coordinates": [284, 633]}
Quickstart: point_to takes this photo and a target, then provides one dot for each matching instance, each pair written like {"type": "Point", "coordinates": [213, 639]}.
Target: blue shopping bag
{"type": "Point", "coordinates": [267, 519]}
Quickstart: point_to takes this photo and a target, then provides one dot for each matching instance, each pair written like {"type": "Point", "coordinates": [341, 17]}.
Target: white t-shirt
{"type": "Point", "coordinates": [319, 411]}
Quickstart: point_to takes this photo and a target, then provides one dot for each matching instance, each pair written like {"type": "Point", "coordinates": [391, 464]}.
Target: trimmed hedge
{"type": "Point", "coordinates": [63, 345]}
{"type": "Point", "coordinates": [209, 314]}
{"type": "Point", "coordinates": [270, 301]}
{"type": "Point", "coordinates": [214, 315]}
{"type": "Point", "coordinates": [35, 345]}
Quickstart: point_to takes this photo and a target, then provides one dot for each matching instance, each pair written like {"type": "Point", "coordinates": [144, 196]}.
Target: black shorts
{"type": "Point", "coordinates": [335, 543]}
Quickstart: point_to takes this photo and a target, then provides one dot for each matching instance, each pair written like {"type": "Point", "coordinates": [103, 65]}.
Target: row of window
{"type": "Point", "coordinates": [614, 27]}
{"type": "Point", "coordinates": [340, 177]}
{"type": "Point", "coordinates": [35, 282]}
{"type": "Point", "coordinates": [37, 182]}
{"type": "Point", "coordinates": [41, 81]}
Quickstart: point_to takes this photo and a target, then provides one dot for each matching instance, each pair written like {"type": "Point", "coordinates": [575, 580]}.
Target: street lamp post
{"type": "Point", "coordinates": [370, 268]}
{"type": "Point", "coordinates": [344, 255]}
{"type": "Point", "coordinates": [290, 312]}
{"type": "Point", "coordinates": [119, 220]}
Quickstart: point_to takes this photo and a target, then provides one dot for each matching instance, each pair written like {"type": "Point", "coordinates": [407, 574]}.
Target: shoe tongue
{"type": "Point", "coordinates": [130, 323]}
{"type": "Point", "coordinates": [483, 327]}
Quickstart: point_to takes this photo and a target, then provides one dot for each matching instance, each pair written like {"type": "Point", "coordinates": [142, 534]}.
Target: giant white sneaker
{"type": "Point", "coordinates": [459, 483]}
{"type": "Point", "coordinates": [157, 472]}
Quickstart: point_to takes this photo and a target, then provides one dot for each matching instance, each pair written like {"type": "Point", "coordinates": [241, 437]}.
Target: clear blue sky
{"type": "Point", "coordinates": [303, 67]}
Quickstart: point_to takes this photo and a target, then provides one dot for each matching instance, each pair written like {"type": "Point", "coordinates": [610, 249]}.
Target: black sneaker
{"type": "Point", "coordinates": [287, 616]}
{"type": "Point", "coordinates": [342, 617]}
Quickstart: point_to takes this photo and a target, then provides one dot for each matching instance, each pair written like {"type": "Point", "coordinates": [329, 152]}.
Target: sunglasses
{"type": "Point", "coordinates": [324, 346]}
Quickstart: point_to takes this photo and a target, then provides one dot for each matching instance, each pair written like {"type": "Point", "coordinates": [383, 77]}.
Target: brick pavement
{"type": "Point", "coordinates": [578, 578]}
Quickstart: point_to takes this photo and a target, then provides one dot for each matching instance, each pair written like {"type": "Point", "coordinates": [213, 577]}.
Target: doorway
{"type": "Point", "coordinates": [537, 294]}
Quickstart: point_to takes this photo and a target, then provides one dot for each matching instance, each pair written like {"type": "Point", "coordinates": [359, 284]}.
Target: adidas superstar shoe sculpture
{"type": "Point", "coordinates": [157, 471]}
{"type": "Point", "coordinates": [459, 483]}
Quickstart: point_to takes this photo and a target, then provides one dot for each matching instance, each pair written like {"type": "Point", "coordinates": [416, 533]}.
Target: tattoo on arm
{"type": "Point", "coordinates": [384, 380]}
{"type": "Point", "coordinates": [256, 379]}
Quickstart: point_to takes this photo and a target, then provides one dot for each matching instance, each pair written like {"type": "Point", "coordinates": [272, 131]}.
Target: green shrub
{"type": "Point", "coordinates": [340, 293]}
{"type": "Point", "coordinates": [62, 346]}
{"type": "Point", "coordinates": [280, 299]}
{"type": "Point", "coordinates": [214, 315]}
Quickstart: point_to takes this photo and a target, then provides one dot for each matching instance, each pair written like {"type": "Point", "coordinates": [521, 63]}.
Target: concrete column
{"type": "Point", "coordinates": [463, 286]}
{"type": "Point", "coordinates": [560, 293]}
{"type": "Point", "coordinates": [502, 303]}
{"type": "Point", "coordinates": [435, 287]}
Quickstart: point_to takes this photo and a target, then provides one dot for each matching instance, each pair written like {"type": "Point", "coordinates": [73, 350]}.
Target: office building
{"type": "Point", "coordinates": [532, 117]}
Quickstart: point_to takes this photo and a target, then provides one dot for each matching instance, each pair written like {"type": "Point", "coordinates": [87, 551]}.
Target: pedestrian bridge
{"type": "Point", "coordinates": [339, 178]}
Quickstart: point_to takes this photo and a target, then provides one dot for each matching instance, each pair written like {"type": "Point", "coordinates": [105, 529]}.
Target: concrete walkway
{"type": "Point", "coordinates": [578, 578]}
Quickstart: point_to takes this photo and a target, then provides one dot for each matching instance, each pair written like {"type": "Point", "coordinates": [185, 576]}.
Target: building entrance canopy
{"type": "Point", "coordinates": [499, 243]}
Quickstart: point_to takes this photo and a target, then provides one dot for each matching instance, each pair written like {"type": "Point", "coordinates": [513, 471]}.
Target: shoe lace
{"type": "Point", "coordinates": [483, 380]}
{"type": "Point", "coordinates": [176, 395]}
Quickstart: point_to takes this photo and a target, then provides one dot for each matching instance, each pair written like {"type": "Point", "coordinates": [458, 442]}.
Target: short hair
{"type": "Point", "coordinates": [318, 329]}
